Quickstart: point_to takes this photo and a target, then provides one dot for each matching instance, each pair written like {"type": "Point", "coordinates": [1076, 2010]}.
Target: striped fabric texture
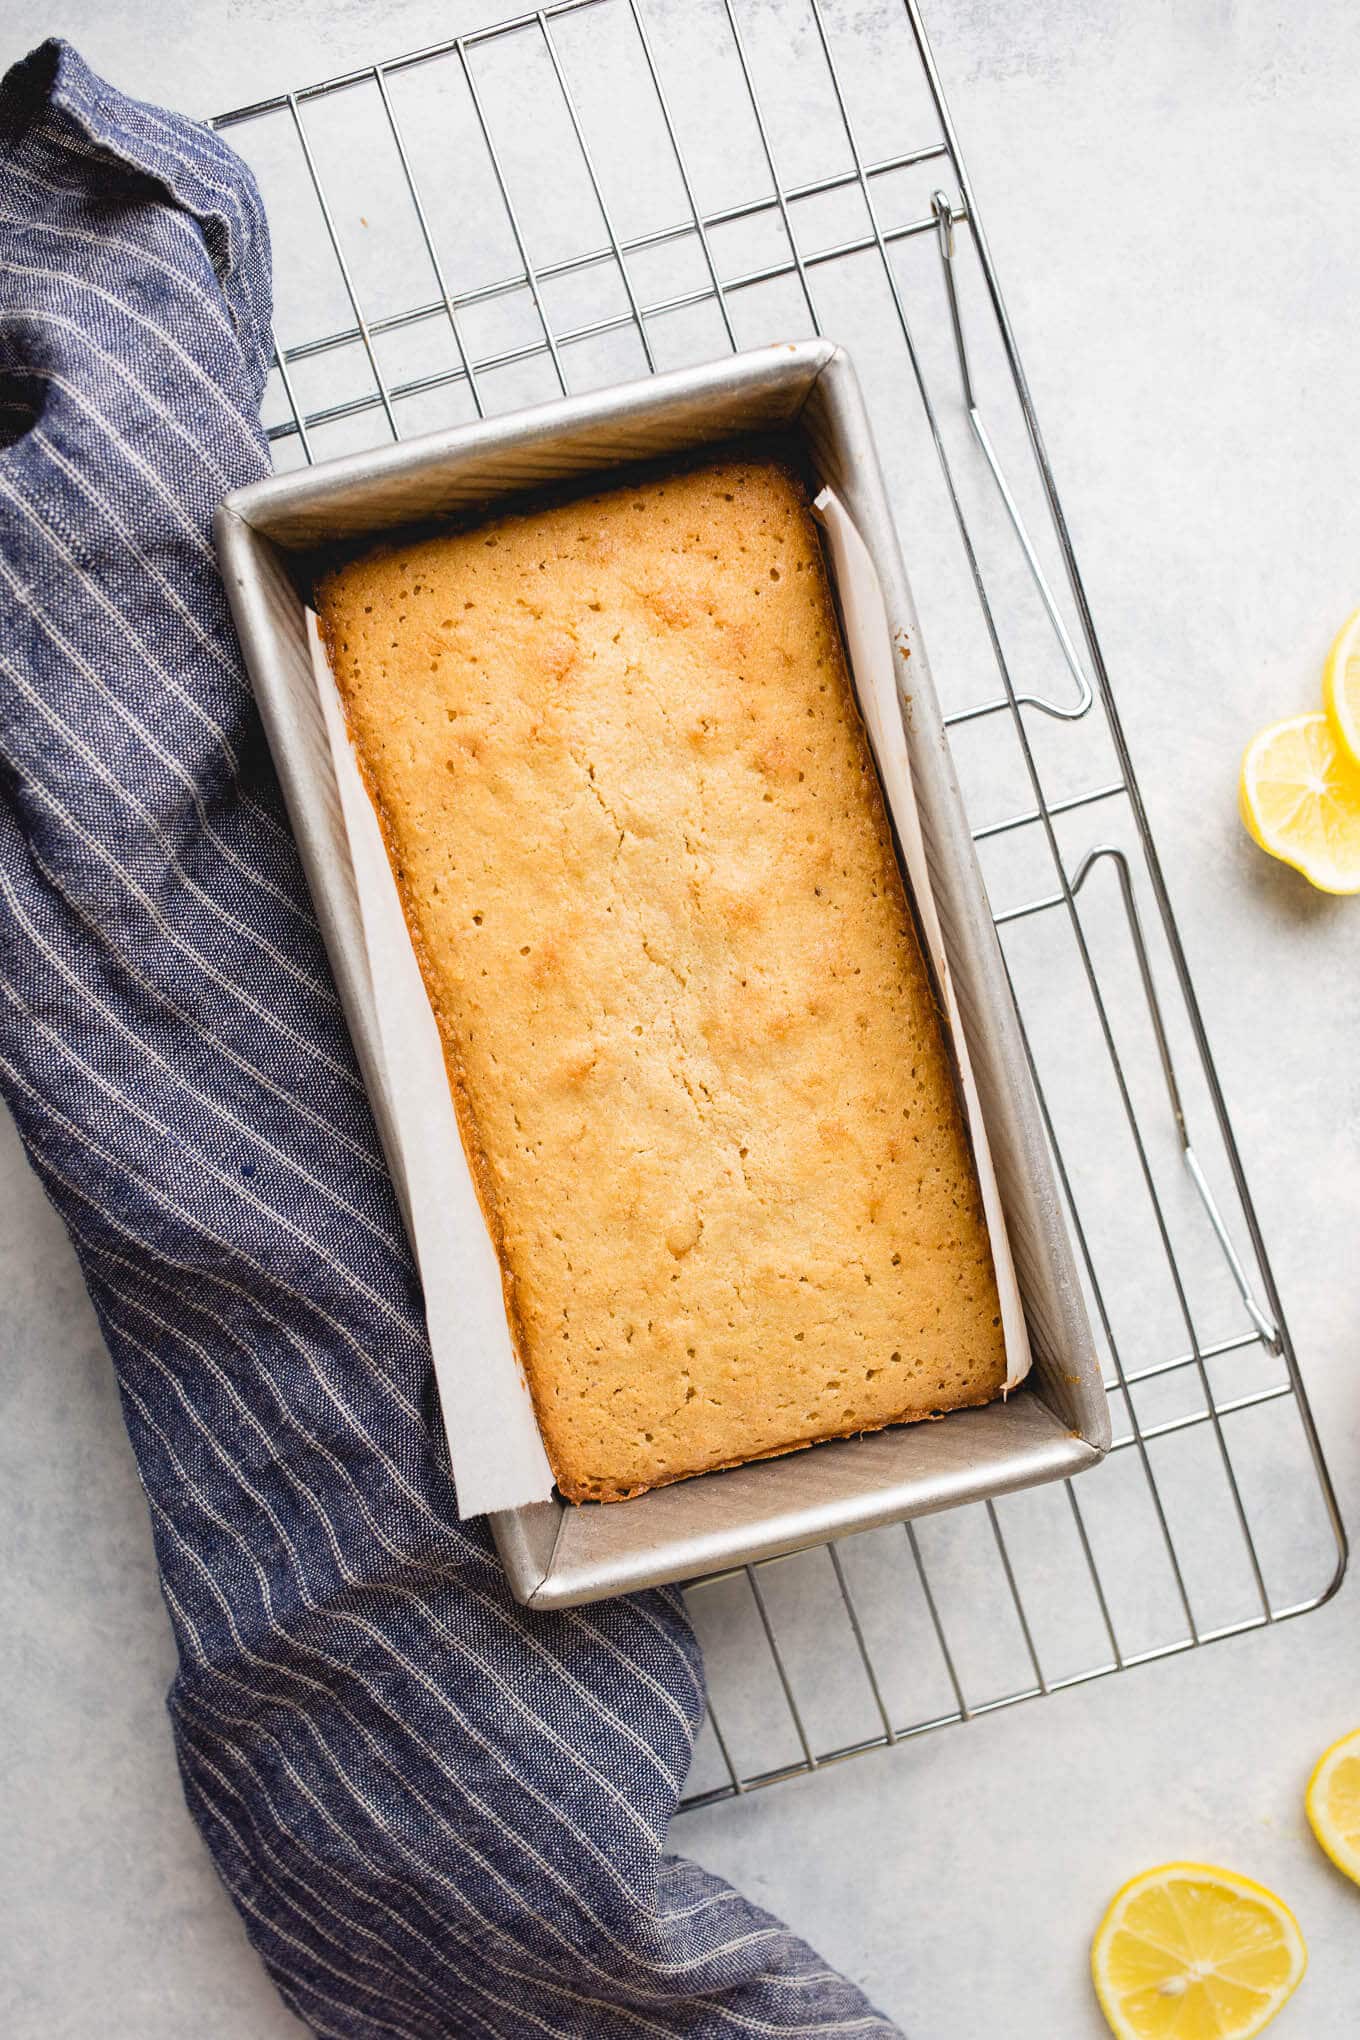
{"type": "Point", "coordinates": [437, 1813]}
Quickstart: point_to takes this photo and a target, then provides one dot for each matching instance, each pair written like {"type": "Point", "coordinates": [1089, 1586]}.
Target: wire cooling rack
{"type": "Point", "coordinates": [595, 190]}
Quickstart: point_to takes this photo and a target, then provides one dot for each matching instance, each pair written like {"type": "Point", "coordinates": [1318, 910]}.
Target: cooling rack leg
{"type": "Point", "coordinates": [1264, 1323]}
{"type": "Point", "coordinates": [947, 218]}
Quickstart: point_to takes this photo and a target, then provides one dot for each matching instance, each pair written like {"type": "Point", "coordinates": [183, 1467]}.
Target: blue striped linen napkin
{"type": "Point", "coordinates": [437, 1813]}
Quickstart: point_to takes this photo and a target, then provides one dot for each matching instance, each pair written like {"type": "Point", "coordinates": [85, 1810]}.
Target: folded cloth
{"type": "Point", "coordinates": [438, 1814]}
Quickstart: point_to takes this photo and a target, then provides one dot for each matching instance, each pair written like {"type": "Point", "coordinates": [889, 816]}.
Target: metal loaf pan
{"type": "Point", "coordinates": [1057, 1423]}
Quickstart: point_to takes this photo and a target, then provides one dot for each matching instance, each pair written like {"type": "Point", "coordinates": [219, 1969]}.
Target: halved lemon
{"type": "Point", "coordinates": [1191, 1952]}
{"type": "Point", "coordinates": [1341, 685]}
{"type": "Point", "coordinates": [1300, 799]}
{"type": "Point", "coordinates": [1333, 1803]}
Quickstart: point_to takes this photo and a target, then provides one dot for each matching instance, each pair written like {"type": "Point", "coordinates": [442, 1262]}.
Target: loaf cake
{"type": "Point", "coordinates": [698, 1067]}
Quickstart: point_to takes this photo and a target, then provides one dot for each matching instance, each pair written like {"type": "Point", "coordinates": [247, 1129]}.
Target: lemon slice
{"type": "Point", "coordinates": [1189, 1952]}
{"type": "Point", "coordinates": [1333, 1803]}
{"type": "Point", "coordinates": [1341, 685]}
{"type": "Point", "coordinates": [1300, 797]}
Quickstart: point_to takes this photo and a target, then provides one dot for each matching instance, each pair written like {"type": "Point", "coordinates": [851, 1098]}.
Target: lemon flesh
{"type": "Point", "coordinates": [1333, 1803]}
{"type": "Point", "coordinates": [1191, 1952]}
{"type": "Point", "coordinates": [1300, 799]}
{"type": "Point", "coordinates": [1341, 686]}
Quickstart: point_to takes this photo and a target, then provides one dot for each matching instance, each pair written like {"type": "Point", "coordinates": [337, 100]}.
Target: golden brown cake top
{"type": "Point", "coordinates": [700, 1074]}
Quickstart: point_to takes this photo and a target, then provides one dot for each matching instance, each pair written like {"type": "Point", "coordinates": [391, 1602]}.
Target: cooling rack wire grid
{"type": "Point", "coordinates": [603, 188]}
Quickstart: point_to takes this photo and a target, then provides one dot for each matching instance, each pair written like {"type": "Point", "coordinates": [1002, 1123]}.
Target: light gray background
{"type": "Point", "coordinates": [1172, 193]}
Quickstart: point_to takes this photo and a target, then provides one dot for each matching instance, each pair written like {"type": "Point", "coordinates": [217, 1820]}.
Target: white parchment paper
{"type": "Point", "coordinates": [495, 1449]}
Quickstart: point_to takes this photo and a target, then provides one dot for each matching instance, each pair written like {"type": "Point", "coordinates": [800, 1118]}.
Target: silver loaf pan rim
{"type": "Point", "coordinates": [1058, 1422]}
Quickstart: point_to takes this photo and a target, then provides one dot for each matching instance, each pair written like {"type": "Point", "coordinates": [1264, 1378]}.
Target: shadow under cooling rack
{"type": "Point", "coordinates": [592, 191]}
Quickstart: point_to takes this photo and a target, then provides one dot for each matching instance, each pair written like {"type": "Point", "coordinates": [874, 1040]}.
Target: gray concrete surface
{"type": "Point", "coordinates": [1172, 193]}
